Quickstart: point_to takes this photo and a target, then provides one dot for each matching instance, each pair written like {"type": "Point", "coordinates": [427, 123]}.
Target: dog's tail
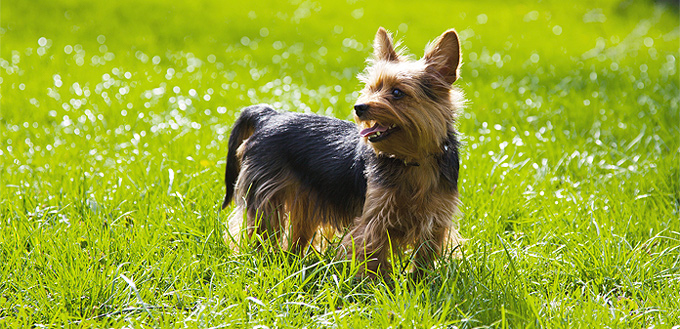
{"type": "Point", "coordinates": [250, 119]}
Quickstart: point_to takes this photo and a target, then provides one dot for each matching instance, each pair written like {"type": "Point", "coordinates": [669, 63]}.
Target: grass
{"type": "Point", "coordinates": [113, 125]}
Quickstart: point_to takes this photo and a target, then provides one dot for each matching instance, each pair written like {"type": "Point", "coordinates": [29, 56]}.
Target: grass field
{"type": "Point", "coordinates": [113, 125]}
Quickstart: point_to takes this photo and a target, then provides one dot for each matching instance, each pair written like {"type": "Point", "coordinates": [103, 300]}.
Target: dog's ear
{"type": "Point", "coordinates": [443, 56]}
{"type": "Point", "coordinates": [383, 48]}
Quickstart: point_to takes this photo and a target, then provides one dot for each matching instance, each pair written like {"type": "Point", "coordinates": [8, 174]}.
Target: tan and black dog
{"type": "Point", "coordinates": [390, 180]}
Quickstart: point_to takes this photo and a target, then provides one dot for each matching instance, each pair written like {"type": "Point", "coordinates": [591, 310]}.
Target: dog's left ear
{"type": "Point", "coordinates": [443, 56]}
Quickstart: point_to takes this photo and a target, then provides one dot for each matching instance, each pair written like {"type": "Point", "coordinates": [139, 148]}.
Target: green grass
{"type": "Point", "coordinates": [113, 125]}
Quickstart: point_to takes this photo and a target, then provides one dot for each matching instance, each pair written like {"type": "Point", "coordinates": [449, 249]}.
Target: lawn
{"type": "Point", "coordinates": [113, 125]}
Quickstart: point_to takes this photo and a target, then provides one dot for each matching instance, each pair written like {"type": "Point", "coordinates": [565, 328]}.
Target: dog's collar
{"type": "Point", "coordinates": [405, 162]}
{"type": "Point", "coordinates": [417, 164]}
{"type": "Point", "coordinates": [413, 163]}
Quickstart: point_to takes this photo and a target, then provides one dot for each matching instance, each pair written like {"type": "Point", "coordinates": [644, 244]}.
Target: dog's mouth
{"type": "Point", "coordinates": [378, 131]}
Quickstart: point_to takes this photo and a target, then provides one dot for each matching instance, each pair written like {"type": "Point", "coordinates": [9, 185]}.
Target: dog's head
{"type": "Point", "coordinates": [407, 107]}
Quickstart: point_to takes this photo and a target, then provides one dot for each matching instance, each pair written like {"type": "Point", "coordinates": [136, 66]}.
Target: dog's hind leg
{"type": "Point", "coordinates": [303, 219]}
{"type": "Point", "coordinates": [266, 220]}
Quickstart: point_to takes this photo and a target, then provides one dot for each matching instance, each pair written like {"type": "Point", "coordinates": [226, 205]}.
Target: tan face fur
{"type": "Point", "coordinates": [414, 97]}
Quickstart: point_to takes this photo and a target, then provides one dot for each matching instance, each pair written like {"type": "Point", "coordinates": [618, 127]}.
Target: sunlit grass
{"type": "Point", "coordinates": [113, 125]}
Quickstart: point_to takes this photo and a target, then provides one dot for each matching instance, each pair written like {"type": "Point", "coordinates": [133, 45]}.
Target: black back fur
{"type": "Point", "coordinates": [324, 154]}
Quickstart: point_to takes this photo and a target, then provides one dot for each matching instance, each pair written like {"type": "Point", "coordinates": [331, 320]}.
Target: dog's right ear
{"type": "Point", "coordinates": [383, 48]}
{"type": "Point", "coordinates": [443, 56]}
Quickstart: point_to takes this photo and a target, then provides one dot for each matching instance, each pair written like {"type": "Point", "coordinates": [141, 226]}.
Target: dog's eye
{"type": "Point", "coordinates": [397, 93]}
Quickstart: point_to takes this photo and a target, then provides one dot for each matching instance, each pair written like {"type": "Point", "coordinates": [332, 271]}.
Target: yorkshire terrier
{"type": "Point", "coordinates": [390, 181]}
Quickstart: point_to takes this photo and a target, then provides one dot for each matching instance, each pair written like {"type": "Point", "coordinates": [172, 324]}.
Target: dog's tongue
{"type": "Point", "coordinates": [376, 128]}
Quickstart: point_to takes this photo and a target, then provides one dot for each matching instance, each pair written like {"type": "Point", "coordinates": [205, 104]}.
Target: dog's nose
{"type": "Point", "coordinates": [360, 109]}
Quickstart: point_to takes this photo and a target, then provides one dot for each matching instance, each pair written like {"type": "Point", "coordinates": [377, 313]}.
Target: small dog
{"type": "Point", "coordinates": [392, 181]}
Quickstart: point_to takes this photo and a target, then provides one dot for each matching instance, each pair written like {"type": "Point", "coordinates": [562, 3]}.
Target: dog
{"type": "Point", "coordinates": [389, 181]}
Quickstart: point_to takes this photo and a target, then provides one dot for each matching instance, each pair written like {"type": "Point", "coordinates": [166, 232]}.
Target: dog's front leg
{"type": "Point", "coordinates": [426, 251]}
{"type": "Point", "coordinates": [368, 246]}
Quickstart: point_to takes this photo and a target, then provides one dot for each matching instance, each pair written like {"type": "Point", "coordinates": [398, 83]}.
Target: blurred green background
{"type": "Point", "coordinates": [114, 115]}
